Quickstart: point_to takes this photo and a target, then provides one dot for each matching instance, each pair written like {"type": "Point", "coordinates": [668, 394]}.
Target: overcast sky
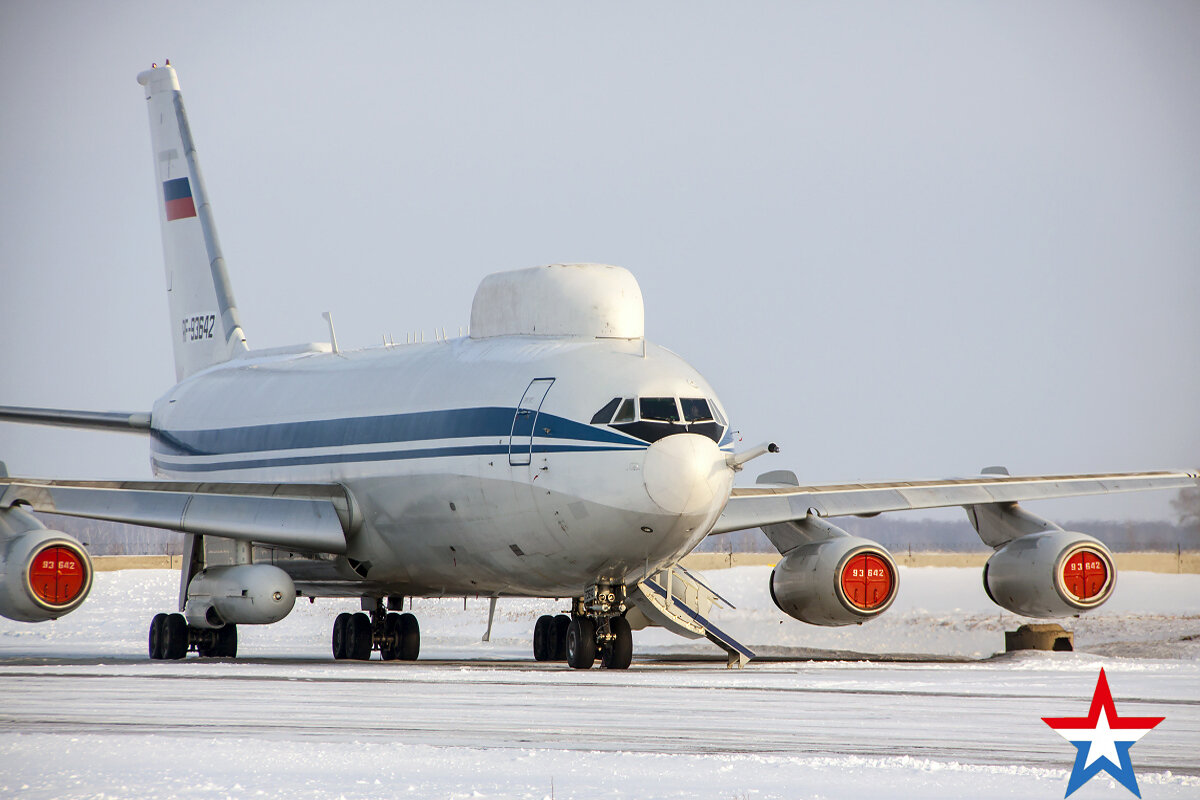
{"type": "Point", "coordinates": [902, 240]}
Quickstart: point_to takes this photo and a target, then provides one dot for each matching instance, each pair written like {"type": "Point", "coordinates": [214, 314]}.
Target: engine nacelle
{"type": "Point", "coordinates": [841, 581]}
{"type": "Point", "coordinates": [43, 573]}
{"type": "Point", "coordinates": [243, 594]}
{"type": "Point", "coordinates": [1050, 574]}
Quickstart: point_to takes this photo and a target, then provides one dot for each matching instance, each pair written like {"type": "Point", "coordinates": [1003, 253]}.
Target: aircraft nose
{"type": "Point", "coordinates": [686, 474]}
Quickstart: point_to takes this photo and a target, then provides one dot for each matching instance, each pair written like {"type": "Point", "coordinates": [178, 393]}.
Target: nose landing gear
{"type": "Point", "coordinates": [617, 651]}
{"type": "Point", "coordinates": [597, 626]}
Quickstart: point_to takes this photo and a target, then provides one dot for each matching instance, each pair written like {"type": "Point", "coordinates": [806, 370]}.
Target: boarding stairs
{"type": "Point", "coordinates": [679, 601]}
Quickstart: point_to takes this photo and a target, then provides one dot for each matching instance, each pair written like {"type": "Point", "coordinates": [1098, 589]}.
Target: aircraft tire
{"type": "Point", "coordinates": [409, 642]}
{"type": "Point", "coordinates": [543, 638]}
{"type": "Point", "coordinates": [390, 649]}
{"type": "Point", "coordinates": [358, 637]}
{"type": "Point", "coordinates": [227, 642]}
{"type": "Point", "coordinates": [619, 652]}
{"type": "Point", "coordinates": [175, 637]}
{"type": "Point", "coordinates": [340, 624]}
{"type": "Point", "coordinates": [581, 643]}
{"type": "Point", "coordinates": [156, 640]}
{"type": "Point", "coordinates": [561, 623]}
{"type": "Point", "coordinates": [222, 644]}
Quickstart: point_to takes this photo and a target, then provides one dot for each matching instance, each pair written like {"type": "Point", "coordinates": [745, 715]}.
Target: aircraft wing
{"type": "Point", "coordinates": [129, 422]}
{"type": "Point", "coordinates": [771, 503]}
{"type": "Point", "coordinates": [309, 517]}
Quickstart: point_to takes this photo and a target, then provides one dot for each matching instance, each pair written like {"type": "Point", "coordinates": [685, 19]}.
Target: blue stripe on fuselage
{"type": "Point", "coordinates": [459, 423]}
{"type": "Point", "coordinates": [390, 455]}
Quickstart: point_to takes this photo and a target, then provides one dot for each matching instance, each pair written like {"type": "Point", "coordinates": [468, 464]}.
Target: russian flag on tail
{"type": "Point", "coordinates": [177, 193]}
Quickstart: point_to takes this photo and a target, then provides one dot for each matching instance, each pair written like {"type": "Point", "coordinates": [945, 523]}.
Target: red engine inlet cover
{"type": "Point", "coordinates": [1085, 574]}
{"type": "Point", "coordinates": [867, 581]}
{"type": "Point", "coordinates": [57, 575]}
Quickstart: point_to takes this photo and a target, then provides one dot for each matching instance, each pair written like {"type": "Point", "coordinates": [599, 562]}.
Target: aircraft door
{"type": "Point", "coordinates": [520, 441]}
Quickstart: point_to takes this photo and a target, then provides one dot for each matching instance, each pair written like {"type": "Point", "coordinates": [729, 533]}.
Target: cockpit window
{"type": "Point", "coordinates": [605, 414]}
{"type": "Point", "coordinates": [659, 409]}
{"type": "Point", "coordinates": [720, 420]}
{"type": "Point", "coordinates": [695, 409]}
{"type": "Point", "coordinates": [625, 414]}
{"type": "Point", "coordinates": [660, 417]}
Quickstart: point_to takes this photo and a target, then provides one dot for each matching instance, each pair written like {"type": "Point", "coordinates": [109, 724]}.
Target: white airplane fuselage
{"type": "Point", "coordinates": [473, 462]}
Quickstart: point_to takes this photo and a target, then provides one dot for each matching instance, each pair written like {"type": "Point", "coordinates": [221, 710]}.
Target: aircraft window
{"type": "Point", "coordinates": [720, 420]}
{"type": "Point", "coordinates": [659, 409]}
{"type": "Point", "coordinates": [625, 413]}
{"type": "Point", "coordinates": [605, 414]}
{"type": "Point", "coordinates": [660, 418]}
{"type": "Point", "coordinates": [695, 409]}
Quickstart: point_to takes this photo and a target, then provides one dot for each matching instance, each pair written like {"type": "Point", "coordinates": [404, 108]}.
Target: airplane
{"type": "Point", "coordinates": [552, 452]}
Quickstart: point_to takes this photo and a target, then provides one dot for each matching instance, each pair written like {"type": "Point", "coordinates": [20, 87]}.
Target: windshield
{"type": "Point", "coordinates": [653, 418]}
{"type": "Point", "coordinates": [695, 409]}
{"type": "Point", "coordinates": [659, 409]}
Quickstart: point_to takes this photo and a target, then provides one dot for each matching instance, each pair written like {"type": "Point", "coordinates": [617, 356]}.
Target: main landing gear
{"type": "Point", "coordinates": [597, 626]}
{"type": "Point", "coordinates": [171, 638]}
{"type": "Point", "coordinates": [550, 637]}
{"type": "Point", "coordinates": [397, 637]}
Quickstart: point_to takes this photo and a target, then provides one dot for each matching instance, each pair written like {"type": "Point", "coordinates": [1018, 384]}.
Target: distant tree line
{"type": "Point", "coordinates": [116, 538]}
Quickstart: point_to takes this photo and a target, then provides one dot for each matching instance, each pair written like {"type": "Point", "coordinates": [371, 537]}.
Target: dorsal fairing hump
{"type": "Point", "coordinates": [587, 300]}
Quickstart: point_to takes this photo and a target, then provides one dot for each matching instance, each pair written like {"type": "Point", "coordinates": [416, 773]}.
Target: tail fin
{"type": "Point", "coordinates": [204, 316]}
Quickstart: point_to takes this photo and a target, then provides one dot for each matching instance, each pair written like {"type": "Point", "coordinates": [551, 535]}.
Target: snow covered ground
{"type": "Point", "coordinates": [83, 713]}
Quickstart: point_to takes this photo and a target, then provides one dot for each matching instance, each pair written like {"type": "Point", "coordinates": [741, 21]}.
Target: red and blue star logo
{"type": "Point", "coordinates": [1102, 740]}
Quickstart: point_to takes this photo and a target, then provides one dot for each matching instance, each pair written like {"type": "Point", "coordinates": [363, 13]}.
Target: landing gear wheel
{"type": "Point", "coordinates": [157, 636]}
{"type": "Point", "coordinates": [340, 624]}
{"type": "Point", "coordinates": [358, 637]}
{"type": "Point", "coordinates": [561, 623]}
{"type": "Point", "coordinates": [174, 637]}
{"type": "Point", "coordinates": [402, 638]}
{"type": "Point", "coordinates": [226, 642]}
{"type": "Point", "coordinates": [390, 649]}
{"type": "Point", "coordinates": [619, 651]}
{"type": "Point", "coordinates": [543, 638]}
{"type": "Point", "coordinates": [410, 638]}
{"type": "Point", "coordinates": [219, 643]}
{"type": "Point", "coordinates": [581, 643]}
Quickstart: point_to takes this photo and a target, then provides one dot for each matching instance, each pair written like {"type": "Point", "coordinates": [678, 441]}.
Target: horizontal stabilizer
{"type": "Point", "coordinates": [308, 517]}
{"type": "Point", "coordinates": [131, 422]}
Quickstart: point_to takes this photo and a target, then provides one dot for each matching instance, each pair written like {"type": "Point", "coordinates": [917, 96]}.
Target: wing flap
{"type": "Point", "coordinates": [310, 517]}
{"type": "Point", "coordinates": [753, 507]}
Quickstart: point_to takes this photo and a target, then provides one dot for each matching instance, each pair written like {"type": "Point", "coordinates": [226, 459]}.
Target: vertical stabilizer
{"type": "Point", "coordinates": [204, 317]}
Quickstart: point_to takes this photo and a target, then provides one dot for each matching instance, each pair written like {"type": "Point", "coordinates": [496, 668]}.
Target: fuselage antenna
{"type": "Point", "coordinates": [332, 336]}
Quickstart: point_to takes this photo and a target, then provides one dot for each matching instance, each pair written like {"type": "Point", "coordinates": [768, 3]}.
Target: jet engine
{"type": "Point", "coordinates": [43, 573]}
{"type": "Point", "coordinates": [839, 581]}
{"type": "Point", "coordinates": [1050, 574]}
{"type": "Point", "coordinates": [249, 594]}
